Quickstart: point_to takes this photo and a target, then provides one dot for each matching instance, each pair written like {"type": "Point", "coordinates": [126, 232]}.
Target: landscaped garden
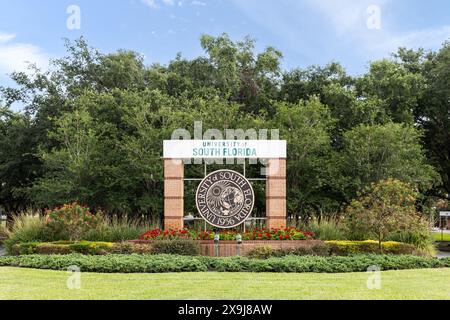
{"type": "Point", "coordinates": [71, 235]}
{"type": "Point", "coordinates": [381, 231]}
{"type": "Point", "coordinates": [81, 177]}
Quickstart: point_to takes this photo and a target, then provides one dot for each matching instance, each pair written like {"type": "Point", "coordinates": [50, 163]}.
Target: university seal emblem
{"type": "Point", "coordinates": [225, 199]}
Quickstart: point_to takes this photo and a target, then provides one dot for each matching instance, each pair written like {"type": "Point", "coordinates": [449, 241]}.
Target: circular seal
{"type": "Point", "coordinates": [225, 199]}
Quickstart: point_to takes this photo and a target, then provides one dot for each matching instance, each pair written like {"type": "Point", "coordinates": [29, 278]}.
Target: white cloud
{"type": "Point", "coordinates": [156, 4]}
{"type": "Point", "coordinates": [150, 3]}
{"type": "Point", "coordinates": [15, 56]}
{"type": "Point", "coordinates": [320, 31]}
{"type": "Point", "coordinates": [198, 3]}
{"type": "Point", "coordinates": [430, 39]}
{"type": "Point", "coordinates": [349, 18]}
{"type": "Point", "coordinates": [5, 37]}
{"type": "Point", "coordinates": [345, 15]}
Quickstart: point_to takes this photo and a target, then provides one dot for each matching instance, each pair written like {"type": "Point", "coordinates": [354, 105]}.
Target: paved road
{"type": "Point", "coordinates": [442, 254]}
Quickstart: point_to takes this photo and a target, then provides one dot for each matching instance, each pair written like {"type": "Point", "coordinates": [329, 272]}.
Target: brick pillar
{"type": "Point", "coordinates": [173, 194]}
{"type": "Point", "coordinates": [276, 194]}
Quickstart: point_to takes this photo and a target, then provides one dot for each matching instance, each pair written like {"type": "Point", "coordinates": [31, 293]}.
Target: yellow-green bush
{"type": "Point", "coordinates": [62, 247]}
{"type": "Point", "coordinates": [100, 248]}
{"type": "Point", "coordinates": [344, 248]}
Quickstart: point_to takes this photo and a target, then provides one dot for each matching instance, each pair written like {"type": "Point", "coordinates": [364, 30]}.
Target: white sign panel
{"type": "Point", "coordinates": [224, 149]}
{"type": "Point", "coordinates": [444, 213]}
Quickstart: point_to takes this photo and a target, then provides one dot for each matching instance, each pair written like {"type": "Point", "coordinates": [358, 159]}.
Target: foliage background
{"type": "Point", "coordinates": [93, 124]}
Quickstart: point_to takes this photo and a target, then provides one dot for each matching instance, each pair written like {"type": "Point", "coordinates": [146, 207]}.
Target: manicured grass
{"type": "Point", "coordinates": [19, 283]}
{"type": "Point", "coordinates": [438, 236]}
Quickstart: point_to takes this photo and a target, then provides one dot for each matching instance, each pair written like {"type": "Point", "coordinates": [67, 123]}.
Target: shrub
{"type": "Point", "coordinates": [122, 248]}
{"type": "Point", "coordinates": [70, 220]}
{"type": "Point", "coordinates": [422, 240]}
{"type": "Point", "coordinates": [62, 247]}
{"type": "Point", "coordinates": [327, 228]}
{"type": "Point", "coordinates": [130, 248]}
{"type": "Point", "coordinates": [316, 249]}
{"type": "Point", "coordinates": [176, 247]}
{"type": "Point", "coordinates": [26, 228]}
{"type": "Point", "coordinates": [116, 230]}
{"type": "Point", "coordinates": [24, 248]}
{"type": "Point", "coordinates": [385, 208]}
{"type": "Point", "coordinates": [87, 247]}
{"type": "Point", "coordinates": [52, 248]}
{"type": "Point", "coordinates": [133, 263]}
{"type": "Point", "coordinates": [344, 248]}
{"type": "Point", "coordinates": [261, 253]}
{"type": "Point", "coordinates": [142, 249]}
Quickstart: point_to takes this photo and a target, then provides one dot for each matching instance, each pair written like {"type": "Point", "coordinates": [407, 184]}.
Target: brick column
{"type": "Point", "coordinates": [276, 194]}
{"type": "Point", "coordinates": [173, 194]}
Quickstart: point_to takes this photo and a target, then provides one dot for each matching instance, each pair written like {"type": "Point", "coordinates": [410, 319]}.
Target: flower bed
{"type": "Point", "coordinates": [287, 234]}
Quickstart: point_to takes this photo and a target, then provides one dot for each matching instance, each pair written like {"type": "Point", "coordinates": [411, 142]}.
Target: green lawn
{"type": "Point", "coordinates": [438, 236]}
{"type": "Point", "coordinates": [19, 283]}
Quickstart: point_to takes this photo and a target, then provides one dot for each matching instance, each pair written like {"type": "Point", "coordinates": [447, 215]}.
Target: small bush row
{"type": "Point", "coordinates": [177, 247]}
{"type": "Point", "coordinates": [266, 252]}
{"type": "Point", "coordinates": [191, 248]}
{"type": "Point", "coordinates": [134, 263]}
{"type": "Point", "coordinates": [345, 248]}
{"type": "Point", "coordinates": [337, 248]}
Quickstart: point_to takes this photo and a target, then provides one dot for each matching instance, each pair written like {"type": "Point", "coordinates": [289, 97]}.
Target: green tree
{"type": "Point", "coordinates": [432, 115]}
{"type": "Point", "coordinates": [19, 162]}
{"type": "Point", "coordinates": [385, 208]}
{"type": "Point", "coordinates": [374, 153]}
{"type": "Point", "coordinates": [93, 124]}
{"type": "Point", "coordinates": [306, 127]}
{"type": "Point", "coordinates": [398, 89]}
{"type": "Point", "coordinates": [241, 75]}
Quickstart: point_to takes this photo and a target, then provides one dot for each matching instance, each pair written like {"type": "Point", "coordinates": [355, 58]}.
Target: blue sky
{"type": "Point", "coordinates": [306, 31]}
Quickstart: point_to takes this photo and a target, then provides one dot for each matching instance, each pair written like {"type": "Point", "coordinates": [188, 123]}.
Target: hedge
{"type": "Point", "coordinates": [135, 263]}
{"type": "Point", "coordinates": [344, 248]}
{"type": "Point", "coordinates": [316, 249]}
{"type": "Point", "coordinates": [179, 247]}
{"type": "Point", "coordinates": [337, 248]}
{"type": "Point", "coordinates": [191, 248]}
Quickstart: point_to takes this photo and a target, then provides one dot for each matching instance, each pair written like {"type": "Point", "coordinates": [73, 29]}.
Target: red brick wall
{"type": "Point", "coordinates": [173, 194]}
{"type": "Point", "coordinates": [229, 248]}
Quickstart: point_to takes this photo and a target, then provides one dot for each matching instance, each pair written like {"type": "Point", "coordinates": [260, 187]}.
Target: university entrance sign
{"type": "Point", "coordinates": [225, 149]}
{"type": "Point", "coordinates": [225, 199]}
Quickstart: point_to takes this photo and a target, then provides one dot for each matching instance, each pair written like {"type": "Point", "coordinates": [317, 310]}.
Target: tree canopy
{"type": "Point", "coordinates": [93, 124]}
